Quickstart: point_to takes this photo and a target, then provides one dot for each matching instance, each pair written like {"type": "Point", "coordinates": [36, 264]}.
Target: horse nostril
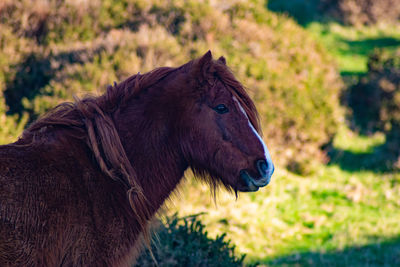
{"type": "Point", "coordinates": [262, 167]}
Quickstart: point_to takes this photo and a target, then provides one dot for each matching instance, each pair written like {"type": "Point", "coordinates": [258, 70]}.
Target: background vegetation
{"type": "Point", "coordinates": [324, 75]}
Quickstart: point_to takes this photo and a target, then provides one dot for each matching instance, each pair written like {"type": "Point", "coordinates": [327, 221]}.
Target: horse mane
{"type": "Point", "coordinates": [91, 119]}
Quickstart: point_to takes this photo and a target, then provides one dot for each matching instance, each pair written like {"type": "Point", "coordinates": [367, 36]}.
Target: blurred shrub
{"type": "Point", "coordinates": [12, 51]}
{"type": "Point", "coordinates": [11, 126]}
{"type": "Point", "coordinates": [375, 99]}
{"type": "Point", "coordinates": [79, 47]}
{"type": "Point", "coordinates": [354, 12]}
{"type": "Point", "coordinates": [304, 11]}
{"type": "Point", "coordinates": [362, 12]}
{"type": "Point", "coordinates": [185, 242]}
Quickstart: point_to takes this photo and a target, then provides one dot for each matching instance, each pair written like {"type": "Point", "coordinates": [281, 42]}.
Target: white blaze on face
{"type": "Point", "coordinates": [267, 156]}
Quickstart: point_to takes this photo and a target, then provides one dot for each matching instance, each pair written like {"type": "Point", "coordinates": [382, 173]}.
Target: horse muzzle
{"type": "Point", "coordinates": [253, 184]}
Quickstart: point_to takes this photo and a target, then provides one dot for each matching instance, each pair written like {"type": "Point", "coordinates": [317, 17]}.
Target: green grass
{"type": "Point", "coordinates": [357, 144]}
{"type": "Point", "coordinates": [350, 46]}
{"type": "Point", "coordinates": [335, 217]}
{"type": "Point", "coordinates": [355, 153]}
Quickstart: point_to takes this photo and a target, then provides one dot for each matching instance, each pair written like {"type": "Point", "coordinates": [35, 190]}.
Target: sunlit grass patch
{"type": "Point", "coordinates": [346, 139]}
{"type": "Point", "coordinates": [354, 152]}
{"type": "Point", "coordinates": [332, 210]}
{"type": "Point", "coordinates": [352, 45]}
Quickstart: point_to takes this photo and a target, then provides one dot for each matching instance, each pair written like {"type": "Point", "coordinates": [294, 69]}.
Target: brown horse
{"type": "Point", "coordinates": [58, 205]}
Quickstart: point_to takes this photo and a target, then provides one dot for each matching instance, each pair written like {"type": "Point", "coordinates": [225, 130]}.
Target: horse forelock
{"type": "Point", "coordinates": [239, 92]}
{"type": "Point", "coordinates": [206, 76]}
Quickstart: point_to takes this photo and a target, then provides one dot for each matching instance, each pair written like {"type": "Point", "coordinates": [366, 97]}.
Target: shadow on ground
{"type": "Point", "coordinates": [376, 161]}
{"type": "Point", "coordinates": [364, 46]}
{"type": "Point", "coordinates": [386, 253]}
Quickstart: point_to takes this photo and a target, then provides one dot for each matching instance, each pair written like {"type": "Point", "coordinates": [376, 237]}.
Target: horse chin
{"type": "Point", "coordinates": [246, 186]}
{"type": "Point", "coordinates": [251, 184]}
{"type": "Point", "coordinates": [251, 188]}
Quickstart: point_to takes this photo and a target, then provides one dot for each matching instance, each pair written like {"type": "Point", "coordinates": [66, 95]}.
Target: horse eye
{"type": "Point", "coordinates": [221, 109]}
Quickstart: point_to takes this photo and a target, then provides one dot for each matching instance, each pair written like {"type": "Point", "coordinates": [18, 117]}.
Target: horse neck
{"type": "Point", "coordinates": [152, 150]}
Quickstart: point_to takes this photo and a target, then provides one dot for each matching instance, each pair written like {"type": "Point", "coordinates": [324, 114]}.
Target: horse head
{"type": "Point", "coordinates": [220, 136]}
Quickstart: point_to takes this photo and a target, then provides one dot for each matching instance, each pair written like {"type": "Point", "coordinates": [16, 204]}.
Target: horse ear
{"type": "Point", "coordinates": [203, 64]}
{"type": "Point", "coordinates": [206, 58]}
{"type": "Point", "coordinates": [222, 60]}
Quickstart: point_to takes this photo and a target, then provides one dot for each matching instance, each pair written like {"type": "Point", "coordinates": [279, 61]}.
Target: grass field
{"type": "Point", "coordinates": [345, 214]}
{"type": "Point", "coordinates": [350, 46]}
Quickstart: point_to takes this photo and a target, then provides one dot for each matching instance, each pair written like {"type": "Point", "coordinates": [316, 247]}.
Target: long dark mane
{"type": "Point", "coordinates": [91, 118]}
